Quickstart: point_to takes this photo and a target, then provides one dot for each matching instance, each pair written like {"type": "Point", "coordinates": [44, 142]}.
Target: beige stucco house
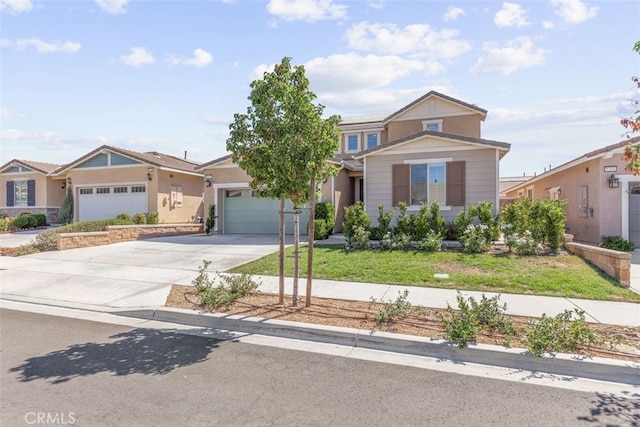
{"type": "Point", "coordinates": [28, 186]}
{"type": "Point", "coordinates": [429, 150]}
{"type": "Point", "coordinates": [109, 181]}
{"type": "Point", "coordinates": [602, 198]}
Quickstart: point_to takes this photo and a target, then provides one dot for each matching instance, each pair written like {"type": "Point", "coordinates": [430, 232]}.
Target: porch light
{"type": "Point", "coordinates": [149, 173]}
{"type": "Point", "coordinates": [614, 182]}
{"type": "Point", "coordinates": [208, 180]}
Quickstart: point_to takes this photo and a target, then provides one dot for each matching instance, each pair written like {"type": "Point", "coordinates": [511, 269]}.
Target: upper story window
{"type": "Point", "coordinates": [353, 143]}
{"type": "Point", "coordinates": [372, 140]}
{"type": "Point", "coordinates": [433, 125]}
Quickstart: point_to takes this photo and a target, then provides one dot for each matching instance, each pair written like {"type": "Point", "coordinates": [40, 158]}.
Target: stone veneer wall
{"type": "Point", "coordinates": [124, 233]}
{"type": "Point", "coordinates": [50, 213]}
{"type": "Point", "coordinates": [615, 264]}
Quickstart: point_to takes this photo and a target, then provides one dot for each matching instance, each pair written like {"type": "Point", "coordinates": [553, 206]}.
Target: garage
{"type": "Point", "coordinates": [244, 213]}
{"type": "Point", "coordinates": [102, 202]}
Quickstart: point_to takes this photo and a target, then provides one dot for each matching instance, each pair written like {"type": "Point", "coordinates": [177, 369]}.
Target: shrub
{"type": "Point", "coordinates": [4, 224]}
{"type": "Point", "coordinates": [227, 292]}
{"type": "Point", "coordinates": [65, 213]}
{"type": "Point", "coordinates": [139, 218]}
{"type": "Point", "coordinates": [152, 218]}
{"type": "Point", "coordinates": [40, 219]}
{"type": "Point", "coordinates": [355, 217]}
{"type": "Point", "coordinates": [544, 218]}
{"type": "Point", "coordinates": [23, 221]}
{"type": "Point", "coordinates": [395, 241]}
{"type": "Point", "coordinates": [384, 223]}
{"type": "Point", "coordinates": [524, 244]}
{"type": "Point", "coordinates": [326, 211]}
{"type": "Point", "coordinates": [47, 240]}
{"type": "Point", "coordinates": [617, 243]}
{"type": "Point", "coordinates": [559, 333]}
{"type": "Point", "coordinates": [472, 317]}
{"type": "Point", "coordinates": [124, 217]}
{"type": "Point", "coordinates": [482, 211]}
{"type": "Point", "coordinates": [210, 223]}
{"type": "Point", "coordinates": [404, 223]}
{"type": "Point", "coordinates": [461, 223]}
{"type": "Point", "coordinates": [321, 229]}
{"type": "Point", "coordinates": [393, 309]}
{"type": "Point", "coordinates": [359, 239]}
{"type": "Point", "coordinates": [431, 243]}
{"type": "Point", "coordinates": [474, 239]}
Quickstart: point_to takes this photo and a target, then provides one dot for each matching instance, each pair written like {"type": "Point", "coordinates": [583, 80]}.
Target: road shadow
{"type": "Point", "coordinates": [225, 239]}
{"type": "Point", "coordinates": [613, 410]}
{"type": "Point", "coordinates": [139, 351]}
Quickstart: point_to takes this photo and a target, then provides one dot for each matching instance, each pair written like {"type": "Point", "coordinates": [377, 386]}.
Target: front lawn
{"type": "Point", "coordinates": [560, 276]}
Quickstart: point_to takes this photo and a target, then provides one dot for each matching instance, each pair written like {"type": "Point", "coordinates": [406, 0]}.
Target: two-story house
{"type": "Point", "coordinates": [429, 150]}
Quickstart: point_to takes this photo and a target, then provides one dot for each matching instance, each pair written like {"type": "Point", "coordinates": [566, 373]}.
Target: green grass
{"type": "Point", "coordinates": [564, 275]}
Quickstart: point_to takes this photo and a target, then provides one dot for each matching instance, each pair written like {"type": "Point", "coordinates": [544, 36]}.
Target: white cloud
{"type": "Point", "coordinates": [415, 38]}
{"type": "Point", "coordinates": [138, 56]}
{"type": "Point", "coordinates": [515, 55]}
{"type": "Point", "coordinates": [201, 58]}
{"type": "Point", "coordinates": [15, 6]}
{"type": "Point", "coordinates": [217, 120]}
{"type": "Point", "coordinates": [307, 10]}
{"type": "Point", "coordinates": [511, 15]}
{"type": "Point", "coordinates": [115, 7]}
{"type": "Point", "coordinates": [547, 25]}
{"type": "Point", "coordinates": [453, 13]}
{"type": "Point", "coordinates": [377, 4]}
{"type": "Point", "coordinates": [6, 113]}
{"type": "Point", "coordinates": [42, 46]}
{"type": "Point", "coordinates": [574, 11]}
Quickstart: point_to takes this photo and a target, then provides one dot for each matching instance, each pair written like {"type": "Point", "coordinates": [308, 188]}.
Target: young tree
{"type": "Point", "coordinates": [282, 142]}
{"type": "Point", "coordinates": [632, 124]}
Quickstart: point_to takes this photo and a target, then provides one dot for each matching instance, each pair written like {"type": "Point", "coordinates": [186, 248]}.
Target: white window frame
{"type": "Point", "coordinates": [346, 143]}
{"type": "Point", "coordinates": [443, 161]}
{"type": "Point", "coordinates": [23, 192]}
{"type": "Point", "coordinates": [176, 196]}
{"type": "Point", "coordinates": [438, 122]}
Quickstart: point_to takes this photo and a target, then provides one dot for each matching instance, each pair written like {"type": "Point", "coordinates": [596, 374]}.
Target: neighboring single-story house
{"type": "Point", "coordinates": [109, 181]}
{"type": "Point", "coordinates": [28, 186]}
{"type": "Point", "coordinates": [602, 198]}
{"type": "Point", "coordinates": [429, 150]}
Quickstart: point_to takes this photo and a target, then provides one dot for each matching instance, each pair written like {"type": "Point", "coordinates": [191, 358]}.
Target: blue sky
{"type": "Point", "coordinates": [554, 75]}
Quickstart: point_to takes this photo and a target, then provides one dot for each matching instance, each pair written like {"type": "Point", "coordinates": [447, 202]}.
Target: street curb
{"type": "Point", "coordinates": [600, 369]}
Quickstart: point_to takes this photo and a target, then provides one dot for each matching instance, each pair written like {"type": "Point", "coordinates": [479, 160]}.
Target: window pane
{"type": "Point", "coordinates": [437, 187]}
{"type": "Point", "coordinates": [352, 142]}
{"type": "Point", "coordinates": [20, 193]}
{"type": "Point", "coordinates": [372, 140]}
{"type": "Point", "coordinates": [432, 126]}
{"type": "Point", "coordinates": [418, 184]}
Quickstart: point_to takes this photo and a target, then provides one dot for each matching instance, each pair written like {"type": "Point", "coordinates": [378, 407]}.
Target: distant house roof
{"type": "Point", "coordinates": [508, 182]}
{"type": "Point", "coordinates": [502, 146]}
{"type": "Point", "coordinates": [153, 158]}
{"type": "Point", "coordinates": [44, 168]}
{"type": "Point", "coordinates": [214, 162]}
{"type": "Point", "coordinates": [600, 152]}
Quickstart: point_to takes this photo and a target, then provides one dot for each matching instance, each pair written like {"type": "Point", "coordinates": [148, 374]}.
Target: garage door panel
{"type": "Point", "coordinates": [96, 205]}
{"type": "Point", "coordinates": [254, 215]}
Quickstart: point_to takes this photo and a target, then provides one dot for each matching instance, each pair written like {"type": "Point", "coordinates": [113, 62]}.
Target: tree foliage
{"type": "Point", "coordinates": [632, 124]}
{"type": "Point", "coordinates": [65, 213]}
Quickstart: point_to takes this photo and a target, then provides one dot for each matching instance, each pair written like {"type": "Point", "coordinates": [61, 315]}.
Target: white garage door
{"type": "Point", "coordinates": [103, 202]}
{"type": "Point", "coordinates": [246, 214]}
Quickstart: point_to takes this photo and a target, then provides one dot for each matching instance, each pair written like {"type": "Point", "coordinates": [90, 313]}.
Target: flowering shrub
{"type": "Point", "coordinates": [431, 243]}
{"type": "Point", "coordinates": [474, 239]}
{"type": "Point", "coordinates": [392, 242]}
{"type": "Point", "coordinates": [359, 239]}
{"type": "Point", "coordinates": [523, 243]}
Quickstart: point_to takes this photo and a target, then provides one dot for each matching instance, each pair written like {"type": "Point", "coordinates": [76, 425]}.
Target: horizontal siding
{"type": "Point", "coordinates": [480, 171]}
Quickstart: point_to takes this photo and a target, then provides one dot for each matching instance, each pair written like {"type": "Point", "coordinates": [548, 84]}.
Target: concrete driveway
{"type": "Point", "coordinates": [130, 274]}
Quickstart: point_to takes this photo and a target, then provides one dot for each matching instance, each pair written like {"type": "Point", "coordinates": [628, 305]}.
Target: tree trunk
{"type": "Point", "coordinates": [311, 240]}
{"type": "Point", "coordinates": [296, 254]}
{"type": "Point", "coordinates": [282, 241]}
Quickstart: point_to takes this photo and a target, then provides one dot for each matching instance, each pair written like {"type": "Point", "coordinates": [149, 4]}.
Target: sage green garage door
{"type": "Point", "coordinates": [246, 214]}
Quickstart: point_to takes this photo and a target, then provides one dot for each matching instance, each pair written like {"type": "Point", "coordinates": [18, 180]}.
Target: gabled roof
{"type": "Point", "coordinates": [433, 93]}
{"type": "Point", "coordinates": [214, 162]}
{"type": "Point", "coordinates": [44, 168]}
{"type": "Point", "coordinates": [600, 152]}
{"type": "Point", "coordinates": [153, 158]}
{"type": "Point", "coordinates": [502, 146]}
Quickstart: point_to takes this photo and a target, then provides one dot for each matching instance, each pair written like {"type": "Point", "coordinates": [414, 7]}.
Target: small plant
{"type": "Point", "coordinates": [404, 224]}
{"type": "Point", "coordinates": [4, 224]}
{"type": "Point", "coordinates": [152, 218]}
{"type": "Point", "coordinates": [24, 221]}
{"type": "Point", "coordinates": [394, 309]}
{"type": "Point", "coordinates": [392, 242]}
{"type": "Point", "coordinates": [210, 223]}
{"type": "Point", "coordinates": [359, 239]}
{"type": "Point", "coordinates": [355, 217]}
{"type": "Point", "coordinates": [472, 317]}
{"type": "Point", "coordinates": [524, 244]}
{"type": "Point", "coordinates": [139, 218]}
{"type": "Point", "coordinates": [124, 217]}
{"type": "Point", "coordinates": [617, 243]}
{"type": "Point", "coordinates": [65, 213]}
{"type": "Point", "coordinates": [384, 223]}
{"type": "Point", "coordinates": [227, 292]}
{"type": "Point", "coordinates": [559, 333]}
{"type": "Point", "coordinates": [474, 239]}
{"type": "Point", "coordinates": [431, 243]}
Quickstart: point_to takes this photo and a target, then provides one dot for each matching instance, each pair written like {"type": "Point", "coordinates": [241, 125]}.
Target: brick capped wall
{"type": "Point", "coordinates": [613, 263]}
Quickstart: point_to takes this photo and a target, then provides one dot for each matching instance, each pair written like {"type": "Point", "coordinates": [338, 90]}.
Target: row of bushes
{"type": "Point", "coordinates": [139, 218]}
{"type": "Point", "coordinates": [528, 227]}
{"type": "Point", "coordinates": [23, 221]}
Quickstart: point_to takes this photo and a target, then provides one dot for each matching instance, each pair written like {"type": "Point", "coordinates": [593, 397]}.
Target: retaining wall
{"type": "Point", "coordinates": [124, 233]}
{"type": "Point", "coordinates": [615, 264]}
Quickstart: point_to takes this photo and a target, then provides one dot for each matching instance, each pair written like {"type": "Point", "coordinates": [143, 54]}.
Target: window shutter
{"type": "Point", "coordinates": [10, 193]}
{"type": "Point", "coordinates": [400, 180]}
{"type": "Point", "coordinates": [455, 183]}
{"type": "Point", "coordinates": [31, 192]}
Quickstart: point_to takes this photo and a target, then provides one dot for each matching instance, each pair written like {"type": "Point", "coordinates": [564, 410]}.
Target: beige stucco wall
{"type": "Point", "coordinates": [464, 125]}
{"type": "Point", "coordinates": [481, 174]}
{"type": "Point", "coordinates": [606, 202]}
{"type": "Point", "coordinates": [42, 183]}
{"type": "Point", "coordinates": [49, 195]}
{"type": "Point", "coordinates": [192, 196]}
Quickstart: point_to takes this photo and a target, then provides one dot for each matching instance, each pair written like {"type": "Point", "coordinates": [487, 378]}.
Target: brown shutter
{"type": "Point", "coordinates": [455, 184]}
{"type": "Point", "coordinates": [400, 183]}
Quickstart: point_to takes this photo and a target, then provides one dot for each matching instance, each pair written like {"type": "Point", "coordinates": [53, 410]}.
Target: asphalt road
{"type": "Point", "coordinates": [65, 371]}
